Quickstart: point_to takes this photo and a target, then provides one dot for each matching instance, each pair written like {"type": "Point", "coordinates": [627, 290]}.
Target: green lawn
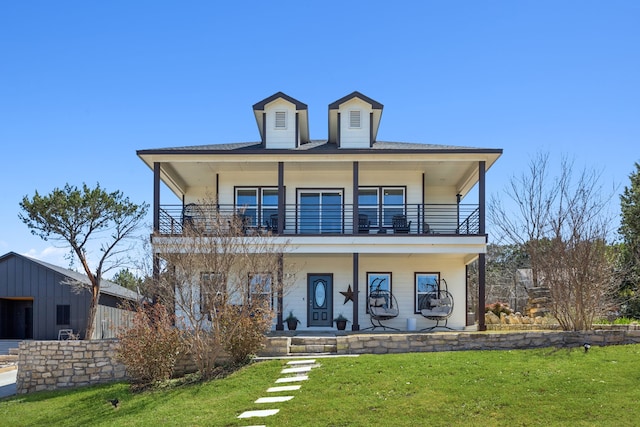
{"type": "Point", "coordinates": [516, 388]}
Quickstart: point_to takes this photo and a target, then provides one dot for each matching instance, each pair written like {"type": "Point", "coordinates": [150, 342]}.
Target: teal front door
{"type": "Point", "coordinates": [320, 297]}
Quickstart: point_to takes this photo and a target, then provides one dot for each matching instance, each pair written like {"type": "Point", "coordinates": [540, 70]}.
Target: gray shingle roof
{"type": "Point", "coordinates": [314, 146]}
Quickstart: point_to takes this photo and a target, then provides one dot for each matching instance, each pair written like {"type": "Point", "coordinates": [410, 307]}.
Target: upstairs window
{"type": "Point", "coordinates": [281, 119]}
{"type": "Point", "coordinates": [257, 204]}
{"type": "Point", "coordinates": [380, 204]}
{"type": "Point", "coordinates": [354, 119]}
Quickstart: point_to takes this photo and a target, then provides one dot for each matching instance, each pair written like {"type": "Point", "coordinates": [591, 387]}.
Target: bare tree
{"type": "Point", "coordinates": [223, 280]}
{"type": "Point", "coordinates": [563, 226]}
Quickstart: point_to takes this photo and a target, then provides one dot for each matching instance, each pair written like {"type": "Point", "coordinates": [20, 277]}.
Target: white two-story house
{"type": "Point", "coordinates": [359, 214]}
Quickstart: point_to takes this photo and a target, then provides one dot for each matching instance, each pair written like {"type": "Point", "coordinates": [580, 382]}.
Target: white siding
{"type": "Point", "coordinates": [402, 269]}
{"type": "Point", "coordinates": [277, 137]}
{"type": "Point", "coordinates": [355, 137]}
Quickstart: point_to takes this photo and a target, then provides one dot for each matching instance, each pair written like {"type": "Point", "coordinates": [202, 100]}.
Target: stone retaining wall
{"type": "Point", "coordinates": [51, 365]}
{"type": "Point", "coordinates": [455, 341]}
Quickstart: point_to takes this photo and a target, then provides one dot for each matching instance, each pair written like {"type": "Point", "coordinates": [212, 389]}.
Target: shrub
{"type": "Point", "coordinates": [150, 347]}
{"type": "Point", "coordinates": [616, 321]}
{"type": "Point", "coordinates": [244, 330]}
{"type": "Point", "coordinates": [497, 308]}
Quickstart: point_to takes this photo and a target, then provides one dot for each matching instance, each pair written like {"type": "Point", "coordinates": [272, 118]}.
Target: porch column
{"type": "Point", "coordinates": [481, 197]}
{"type": "Point", "coordinates": [156, 221]}
{"type": "Point", "coordinates": [481, 257]}
{"type": "Point", "coordinates": [279, 322]}
{"type": "Point", "coordinates": [355, 326]}
{"type": "Point", "coordinates": [156, 197]}
{"type": "Point", "coordinates": [356, 179]}
{"type": "Point", "coordinates": [481, 292]}
{"type": "Point", "coordinates": [281, 206]}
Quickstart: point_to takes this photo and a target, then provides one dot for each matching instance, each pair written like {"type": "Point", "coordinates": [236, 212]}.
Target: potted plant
{"type": "Point", "coordinates": [341, 322]}
{"type": "Point", "coordinates": [292, 321]}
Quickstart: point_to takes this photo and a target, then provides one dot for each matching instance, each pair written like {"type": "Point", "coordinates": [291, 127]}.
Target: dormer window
{"type": "Point", "coordinates": [354, 119]}
{"type": "Point", "coordinates": [281, 119]}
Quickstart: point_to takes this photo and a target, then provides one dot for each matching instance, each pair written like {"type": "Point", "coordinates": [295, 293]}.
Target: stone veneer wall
{"type": "Point", "coordinates": [373, 343]}
{"type": "Point", "coordinates": [51, 365]}
{"type": "Point", "coordinates": [455, 341]}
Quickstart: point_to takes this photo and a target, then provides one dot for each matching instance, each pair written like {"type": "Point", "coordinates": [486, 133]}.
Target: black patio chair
{"type": "Point", "coordinates": [364, 225]}
{"type": "Point", "coordinates": [400, 224]}
{"type": "Point", "coordinates": [272, 223]}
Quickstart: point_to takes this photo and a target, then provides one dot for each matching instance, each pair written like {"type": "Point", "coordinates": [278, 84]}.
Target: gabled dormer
{"type": "Point", "coordinates": [283, 121]}
{"type": "Point", "coordinates": [354, 121]}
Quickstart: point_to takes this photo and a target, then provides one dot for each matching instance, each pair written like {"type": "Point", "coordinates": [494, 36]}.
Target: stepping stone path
{"type": "Point", "coordinates": [296, 367]}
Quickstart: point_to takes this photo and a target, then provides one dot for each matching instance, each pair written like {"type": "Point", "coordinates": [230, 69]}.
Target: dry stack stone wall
{"type": "Point", "coordinates": [538, 302]}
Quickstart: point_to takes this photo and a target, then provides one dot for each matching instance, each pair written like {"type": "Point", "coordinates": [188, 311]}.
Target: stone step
{"type": "Point", "coordinates": [8, 358]}
{"type": "Point", "coordinates": [9, 346]}
{"type": "Point", "coordinates": [312, 349]}
{"type": "Point", "coordinates": [313, 345]}
{"type": "Point", "coordinates": [313, 340]}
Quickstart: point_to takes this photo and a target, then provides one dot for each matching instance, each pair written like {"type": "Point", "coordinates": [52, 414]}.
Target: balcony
{"type": "Point", "coordinates": [328, 219]}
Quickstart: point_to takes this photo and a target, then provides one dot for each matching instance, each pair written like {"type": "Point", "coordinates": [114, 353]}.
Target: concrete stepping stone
{"type": "Point", "coordinates": [296, 370]}
{"type": "Point", "coordinates": [283, 388]}
{"type": "Point", "coordinates": [292, 379]}
{"type": "Point", "coordinates": [274, 399]}
{"type": "Point", "coordinates": [302, 362]}
{"type": "Point", "coordinates": [262, 413]}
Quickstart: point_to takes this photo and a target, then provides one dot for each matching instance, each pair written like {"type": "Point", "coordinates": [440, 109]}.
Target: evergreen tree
{"type": "Point", "coordinates": [630, 232]}
{"type": "Point", "coordinates": [127, 279]}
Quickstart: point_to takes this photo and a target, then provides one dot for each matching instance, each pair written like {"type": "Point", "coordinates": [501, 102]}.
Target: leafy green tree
{"type": "Point", "coordinates": [127, 279]}
{"type": "Point", "coordinates": [79, 217]}
{"type": "Point", "coordinates": [630, 232]}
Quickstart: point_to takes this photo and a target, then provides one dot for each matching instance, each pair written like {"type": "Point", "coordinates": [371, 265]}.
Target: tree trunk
{"type": "Point", "coordinates": [93, 309]}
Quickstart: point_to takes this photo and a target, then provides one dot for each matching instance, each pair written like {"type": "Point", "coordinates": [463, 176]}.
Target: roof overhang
{"type": "Point", "coordinates": [183, 169]}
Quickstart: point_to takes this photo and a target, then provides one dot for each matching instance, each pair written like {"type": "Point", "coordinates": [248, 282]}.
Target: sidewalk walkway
{"type": "Point", "coordinates": [8, 381]}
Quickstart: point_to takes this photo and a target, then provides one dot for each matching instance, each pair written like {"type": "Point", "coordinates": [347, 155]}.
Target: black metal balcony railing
{"type": "Point", "coordinates": [447, 219]}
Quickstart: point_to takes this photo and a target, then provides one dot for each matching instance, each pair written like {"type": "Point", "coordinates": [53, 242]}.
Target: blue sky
{"type": "Point", "coordinates": [84, 84]}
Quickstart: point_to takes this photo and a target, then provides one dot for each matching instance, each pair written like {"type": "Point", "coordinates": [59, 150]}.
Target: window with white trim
{"type": "Point", "coordinates": [281, 119]}
{"type": "Point", "coordinates": [354, 119]}
{"type": "Point", "coordinates": [257, 204]}
{"type": "Point", "coordinates": [213, 292]}
{"type": "Point", "coordinates": [380, 204]}
{"type": "Point", "coordinates": [260, 289]}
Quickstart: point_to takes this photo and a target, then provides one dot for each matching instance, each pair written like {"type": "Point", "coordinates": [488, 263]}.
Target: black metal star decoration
{"type": "Point", "coordinates": [348, 295]}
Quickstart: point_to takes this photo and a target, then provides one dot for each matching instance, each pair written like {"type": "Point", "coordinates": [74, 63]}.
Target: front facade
{"type": "Point", "coordinates": [357, 214]}
{"type": "Point", "coordinates": [38, 302]}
